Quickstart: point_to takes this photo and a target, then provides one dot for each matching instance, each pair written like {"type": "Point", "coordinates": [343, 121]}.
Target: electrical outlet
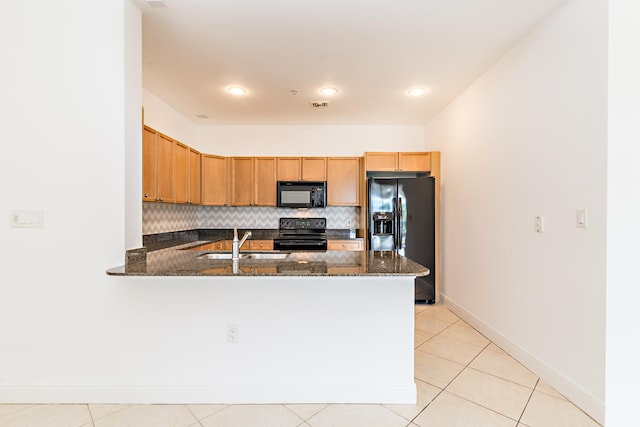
{"type": "Point", "coordinates": [348, 223]}
{"type": "Point", "coordinates": [232, 333]}
{"type": "Point", "coordinates": [539, 224]}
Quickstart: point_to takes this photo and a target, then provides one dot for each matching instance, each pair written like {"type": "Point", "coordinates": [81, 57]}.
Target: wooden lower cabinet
{"type": "Point", "coordinates": [259, 245]}
{"type": "Point", "coordinates": [345, 245]}
{"type": "Point", "coordinates": [227, 245]}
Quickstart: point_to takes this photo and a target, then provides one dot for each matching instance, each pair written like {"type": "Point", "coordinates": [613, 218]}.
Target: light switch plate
{"type": "Point", "coordinates": [25, 218]}
{"type": "Point", "coordinates": [581, 218]}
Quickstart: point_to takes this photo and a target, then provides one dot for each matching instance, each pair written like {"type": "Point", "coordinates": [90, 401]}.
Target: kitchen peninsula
{"type": "Point", "coordinates": [305, 327]}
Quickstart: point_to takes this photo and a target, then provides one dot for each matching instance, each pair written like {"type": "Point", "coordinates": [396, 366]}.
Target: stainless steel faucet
{"type": "Point", "coordinates": [236, 245]}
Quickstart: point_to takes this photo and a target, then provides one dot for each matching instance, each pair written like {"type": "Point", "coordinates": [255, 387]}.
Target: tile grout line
{"type": "Point", "coordinates": [528, 400]}
{"type": "Point", "coordinates": [470, 367]}
{"type": "Point", "coordinates": [304, 420]}
{"type": "Point", "coordinates": [93, 423]}
{"type": "Point", "coordinates": [194, 415]}
{"type": "Point", "coordinates": [453, 379]}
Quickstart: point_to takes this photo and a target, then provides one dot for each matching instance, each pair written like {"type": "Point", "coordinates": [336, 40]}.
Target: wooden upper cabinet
{"type": "Point", "coordinates": [181, 170]}
{"type": "Point", "coordinates": [381, 161]}
{"type": "Point", "coordinates": [264, 181]}
{"type": "Point", "coordinates": [194, 177]}
{"type": "Point", "coordinates": [289, 168]}
{"type": "Point", "coordinates": [302, 168]}
{"type": "Point", "coordinates": [165, 171]}
{"type": "Point", "coordinates": [419, 162]}
{"type": "Point", "coordinates": [398, 162]}
{"type": "Point", "coordinates": [149, 155]}
{"type": "Point", "coordinates": [343, 181]}
{"type": "Point", "coordinates": [214, 180]}
{"type": "Point", "coordinates": [253, 181]}
{"type": "Point", "coordinates": [241, 181]}
{"type": "Point", "coordinates": [314, 168]}
{"type": "Point", "coordinates": [157, 167]}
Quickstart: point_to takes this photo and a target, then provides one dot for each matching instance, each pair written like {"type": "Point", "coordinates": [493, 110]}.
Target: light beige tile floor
{"type": "Point", "coordinates": [463, 380]}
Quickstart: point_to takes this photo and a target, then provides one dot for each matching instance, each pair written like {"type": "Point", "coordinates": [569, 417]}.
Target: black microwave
{"type": "Point", "coordinates": [302, 194]}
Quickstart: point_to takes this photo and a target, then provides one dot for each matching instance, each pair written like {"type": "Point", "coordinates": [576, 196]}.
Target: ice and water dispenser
{"type": "Point", "coordinates": [382, 222]}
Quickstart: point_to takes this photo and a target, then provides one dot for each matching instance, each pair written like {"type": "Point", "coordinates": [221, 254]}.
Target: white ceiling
{"type": "Point", "coordinates": [373, 51]}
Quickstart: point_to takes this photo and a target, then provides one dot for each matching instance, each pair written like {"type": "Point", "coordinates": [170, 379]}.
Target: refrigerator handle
{"type": "Point", "coordinates": [395, 223]}
{"type": "Point", "coordinates": [399, 222]}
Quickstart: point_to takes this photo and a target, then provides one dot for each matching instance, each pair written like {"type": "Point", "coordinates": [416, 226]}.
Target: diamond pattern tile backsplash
{"type": "Point", "coordinates": [165, 217]}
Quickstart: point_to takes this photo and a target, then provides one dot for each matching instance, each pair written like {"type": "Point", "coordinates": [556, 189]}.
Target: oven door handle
{"type": "Point", "coordinates": [297, 243]}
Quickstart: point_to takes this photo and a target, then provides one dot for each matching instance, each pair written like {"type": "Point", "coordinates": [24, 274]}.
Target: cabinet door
{"type": "Point", "coordinates": [241, 181]}
{"type": "Point", "coordinates": [381, 161]}
{"type": "Point", "coordinates": [214, 180]}
{"type": "Point", "coordinates": [343, 179]}
{"type": "Point", "coordinates": [149, 156]}
{"type": "Point", "coordinates": [289, 168]}
{"type": "Point", "coordinates": [194, 177]}
{"type": "Point", "coordinates": [414, 162]}
{"type": "Point", "coordinates": [314, 168]}
{"type": "Point", "coordinates": [264, 171]}
{"type": "Point", "coordinates": [165, 172]}
{"type": "Point", "coordinates": [181, 172]}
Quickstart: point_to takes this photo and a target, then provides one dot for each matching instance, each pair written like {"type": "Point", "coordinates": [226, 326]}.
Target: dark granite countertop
{"type": "Point", "coordinates": [181, 261]}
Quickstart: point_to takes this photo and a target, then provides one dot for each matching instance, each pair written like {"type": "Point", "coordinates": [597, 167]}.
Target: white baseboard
{"type": "Point", "coordinates": [584, 400]}
{"type": "Point", "coordinates": [402, 394]}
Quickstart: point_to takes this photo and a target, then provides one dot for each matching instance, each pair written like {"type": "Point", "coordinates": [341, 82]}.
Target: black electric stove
{"type": "Point", "coordinates": [301, 234]}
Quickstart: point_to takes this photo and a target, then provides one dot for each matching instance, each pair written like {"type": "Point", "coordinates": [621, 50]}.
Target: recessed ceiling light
{"type": "Point", "coordinates": [417, 91]}
{"type": "Point", "coordinates": [328, 91]}
{"type": "Point", "coordinates": [156, 3]}
{"type": "Point", "coordinates": [236, 90]}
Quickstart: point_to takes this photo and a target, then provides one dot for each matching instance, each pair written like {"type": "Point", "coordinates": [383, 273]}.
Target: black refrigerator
{"type": "Point", "coordinates": [402, 219]}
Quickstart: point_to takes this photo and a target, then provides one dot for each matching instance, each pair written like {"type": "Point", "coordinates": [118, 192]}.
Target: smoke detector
{"type": "Point", "coordinates": [320, 104]}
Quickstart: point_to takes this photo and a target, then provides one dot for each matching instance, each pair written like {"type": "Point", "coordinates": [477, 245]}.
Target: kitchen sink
{"type": "Point", "coordinates": [244, 255]}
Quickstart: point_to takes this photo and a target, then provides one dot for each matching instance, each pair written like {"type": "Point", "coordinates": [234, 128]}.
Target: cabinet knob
{"type": "Point", "coordinates": [146, 195]}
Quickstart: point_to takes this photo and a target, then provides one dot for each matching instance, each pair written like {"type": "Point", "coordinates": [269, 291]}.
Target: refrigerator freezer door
{"type": "Point", "coordinates": [418, 230]}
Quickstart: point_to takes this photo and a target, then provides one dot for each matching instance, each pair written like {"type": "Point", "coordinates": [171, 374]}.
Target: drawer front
{"type": "Point", "coordinates": [344, 245]}
{"type": "Point", "coordinates": [260, 245]}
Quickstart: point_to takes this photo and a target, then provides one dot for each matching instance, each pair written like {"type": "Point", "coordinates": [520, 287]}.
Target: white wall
{"type": "Point", "coordinates": [132, 186]}
{"type": "Point", "coordinates": [529, 138]}
{"type": "Point", "coordinates": [623, 228]}
{"type": "Point", "coordinates": [62, 109]}
{"type": "Point", "coordinates": [310, 140]}
{"type": "Point", "coordinates": [162, 117]}
{"type": "Point", "coordinates": [281, 140]}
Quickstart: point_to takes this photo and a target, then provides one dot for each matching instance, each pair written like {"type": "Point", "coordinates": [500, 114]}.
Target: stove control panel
{"type": "Point", "coordinates": [303, 223]}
